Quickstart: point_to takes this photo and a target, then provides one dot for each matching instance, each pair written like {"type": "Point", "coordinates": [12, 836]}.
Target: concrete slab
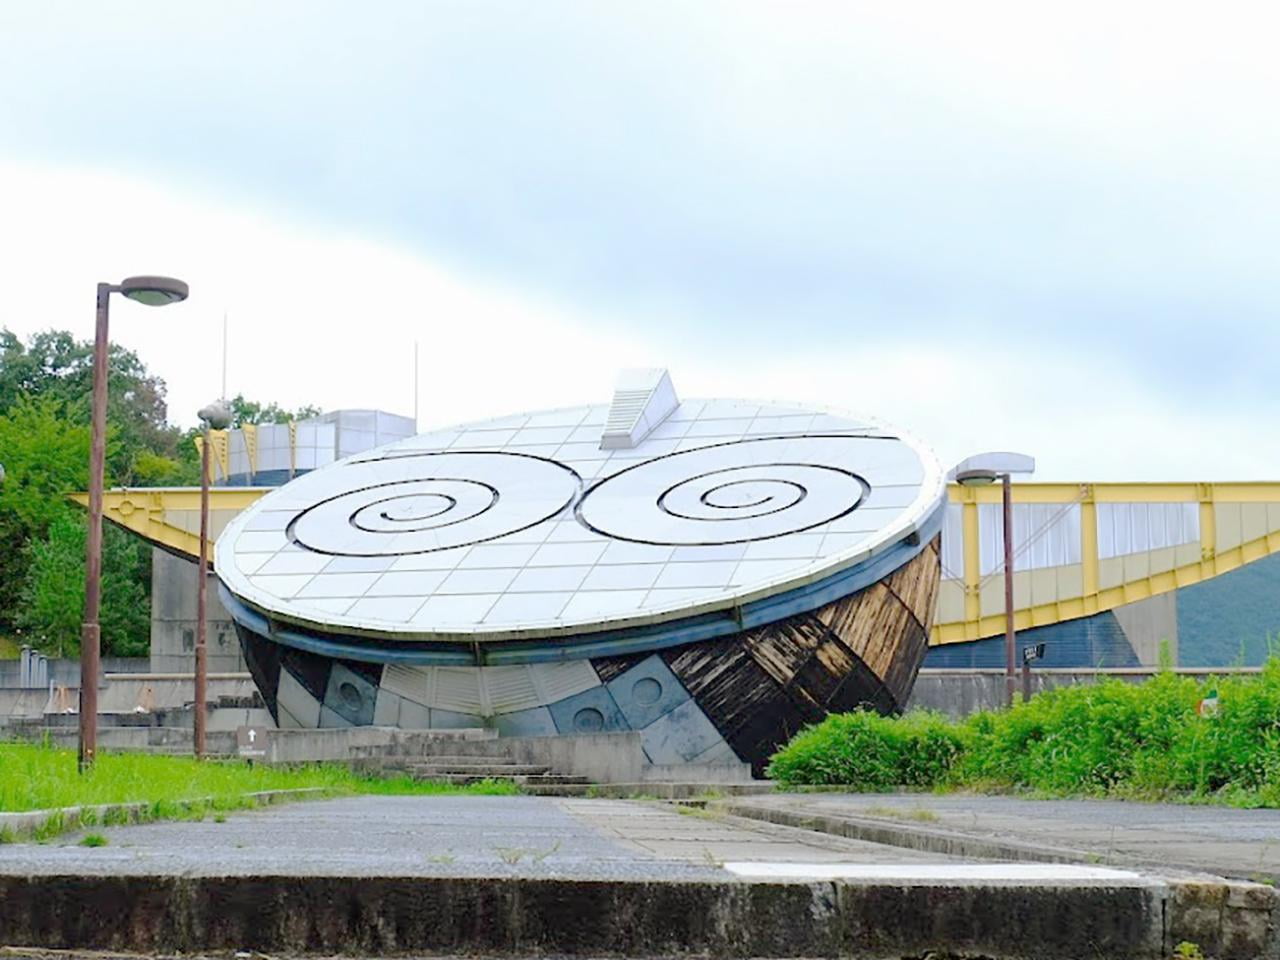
{"type": "Point", "coordinates": [396, 875]}
{"type": "Point", "coordinates": [1227, 842]}
{"type": "Point", "coordinates": [958, 872]}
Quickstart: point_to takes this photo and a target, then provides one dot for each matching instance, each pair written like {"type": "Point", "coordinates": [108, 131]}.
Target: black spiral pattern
{"type": "Point", "coordinates": [725, 493]}
{"type": "Point", "coordinates": [444, 501]}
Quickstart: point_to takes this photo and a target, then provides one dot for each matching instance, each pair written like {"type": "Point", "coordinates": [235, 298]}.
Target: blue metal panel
{"type": "Point", "coordinates": [350, 696]}
{"type": "Point", "coordinates": [592, 711]}
{"type": "Point", "coordinates": [647, 691]}
{"type": "Point", "coordinates": [680, 735]}
{"type": "Point", "coordinates": [536, 722]}
{"type": "Point", "coordinates": [1096, 641]}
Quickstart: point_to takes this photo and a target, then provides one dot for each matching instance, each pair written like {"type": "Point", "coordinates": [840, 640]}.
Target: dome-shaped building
{"type": "Point", "coordinates": [714, 574]}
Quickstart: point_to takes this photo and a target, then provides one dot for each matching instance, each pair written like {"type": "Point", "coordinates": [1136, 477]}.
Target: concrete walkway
{"type": "Point", "coordinates": [511, 875]}
{"type": "Point", "coordinates": [450, 837]}
{"type": "Point", "coordinates": [1222, 841]}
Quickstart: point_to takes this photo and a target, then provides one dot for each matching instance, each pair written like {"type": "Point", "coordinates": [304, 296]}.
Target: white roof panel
{"type": "Point", "coordinates": [523, 527]}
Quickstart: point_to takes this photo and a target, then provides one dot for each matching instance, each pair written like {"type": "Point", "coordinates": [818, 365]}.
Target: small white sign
{"type": "Point", "coordinates": [251, 742]}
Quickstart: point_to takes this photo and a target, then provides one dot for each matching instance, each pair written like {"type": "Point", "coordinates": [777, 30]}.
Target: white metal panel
{"type": "Point", "coordinates": [1125, 528]}
{"type": "Point", "coordinates": [1044, 535]}
{"type": "Point", "coordinates": [953, 542]}
{"type": "Point", "coordinates": [458, 689]}
{"type": "Point", "coordinates": [555, 681]}
{"type": "Point", "coordinates": [507, 689]}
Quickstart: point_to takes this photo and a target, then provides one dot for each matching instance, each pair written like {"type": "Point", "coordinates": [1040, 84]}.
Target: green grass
{"type": "Point", "coordinates": [34, 777]}
{"type": "Point", "coordinates": [93, 840]}
{"type": "Point", "coordinates": [1111, 739]}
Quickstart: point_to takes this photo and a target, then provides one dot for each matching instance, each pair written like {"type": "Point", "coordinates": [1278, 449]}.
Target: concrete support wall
{"type": "Point", "coordinates": [959, 693]}
{"type": "Point", "coordinates": [66, 673]}
{"type": "Point", "coordinates": [1150, 623]}
{"type": "Point", "coordinates": [173, 620]}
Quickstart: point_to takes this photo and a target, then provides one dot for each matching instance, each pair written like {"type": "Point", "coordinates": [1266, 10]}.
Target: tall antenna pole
{"type": "Point", "coordinates": [224, 354]}
{"type": "Point", "coordinates": [415, 385]}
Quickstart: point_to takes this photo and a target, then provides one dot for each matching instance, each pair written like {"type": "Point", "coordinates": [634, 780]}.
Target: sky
{"type": "Point", "coordinates": [1046, 228]}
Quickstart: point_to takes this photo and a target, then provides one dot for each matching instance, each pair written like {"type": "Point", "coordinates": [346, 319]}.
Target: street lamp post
{"type": "Point", "coordinates": [980, 470]}
{"type": "Point", "coordinates": [154, 292]}
{"type": "Point", "coordinates": [214, 417]}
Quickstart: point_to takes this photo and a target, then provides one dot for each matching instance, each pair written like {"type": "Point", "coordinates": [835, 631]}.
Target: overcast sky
{"type": "Point", "coordinates": [1050, 228]}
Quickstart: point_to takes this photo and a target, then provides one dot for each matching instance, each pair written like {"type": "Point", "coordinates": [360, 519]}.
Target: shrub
{"type": "Point", "coordinates": [869, 751]}
{"type": "Point", "coordinates": [1108, 739]}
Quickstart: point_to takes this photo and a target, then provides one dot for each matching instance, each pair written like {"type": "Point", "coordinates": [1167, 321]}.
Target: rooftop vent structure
{"type": "Point", "coordinates": [642, 399]}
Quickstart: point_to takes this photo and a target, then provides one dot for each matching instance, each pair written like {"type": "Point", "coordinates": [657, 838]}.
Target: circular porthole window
{"type": "Point", "coordinates": [588, 720]}
{"type": "Point", "coordinates": [646, 691]}
{"type": "Point", "coordinates": [350, 695]}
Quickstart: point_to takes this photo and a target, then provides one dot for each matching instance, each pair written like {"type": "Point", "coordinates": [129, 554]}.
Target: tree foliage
{"type": "Point", "coordinates": [56, 366]}
{"type": "Point", "coordinates": [251, 412]}
{"type": "Point", "coordinates": [45, 457]}
{"type": "Point", "coordinates": [53, 591]}
{"type": "Point", "coordinates": [45, 406]}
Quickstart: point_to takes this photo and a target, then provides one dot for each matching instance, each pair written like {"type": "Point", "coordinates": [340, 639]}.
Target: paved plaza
{"type": "Point", "coordinates": [451, 836]}
{"type": "Point", "coordinates": [1219, 840]}
{"type": "Point", "coordinates": [506, 875]}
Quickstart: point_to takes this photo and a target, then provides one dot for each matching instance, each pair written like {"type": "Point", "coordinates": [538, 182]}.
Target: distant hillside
{"type": "Point", "coordinates": [1231, 620]}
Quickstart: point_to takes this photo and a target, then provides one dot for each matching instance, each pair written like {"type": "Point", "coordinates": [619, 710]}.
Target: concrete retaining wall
{"type": "Point", "coordinates": [381, 915]}
{"type": "Point", "coordinates": [62, 672]}
{"type": "Point", "coordinates": [960, 692]}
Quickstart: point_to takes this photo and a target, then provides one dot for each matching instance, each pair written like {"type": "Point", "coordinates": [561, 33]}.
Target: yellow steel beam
{"type": "Point", "coordinates": [1112, 597]}
{"type": "Point", "coordinates": [1089, 549]}
{"type": "Point", "coordinates": [972, 562]}
{"type": "Point", "coordinates": [145, 511]}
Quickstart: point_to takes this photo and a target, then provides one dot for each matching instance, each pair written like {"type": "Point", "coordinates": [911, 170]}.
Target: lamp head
{"type": "Point", "coordinates": [984, 468]}
{"type": "Point", "coordinates": [216, 416]}
{"type": "Point", "coordinates": [154, 291]}
{"type": "Point", "coordinates": [976, 477]}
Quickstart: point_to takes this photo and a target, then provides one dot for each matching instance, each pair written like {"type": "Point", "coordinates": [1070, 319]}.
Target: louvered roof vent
{"type": "Point", "coordinates": [642, 399]}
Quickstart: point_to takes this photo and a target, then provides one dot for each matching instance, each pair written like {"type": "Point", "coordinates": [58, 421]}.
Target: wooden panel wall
{"type": "Point", "coordinates": [762, 686]}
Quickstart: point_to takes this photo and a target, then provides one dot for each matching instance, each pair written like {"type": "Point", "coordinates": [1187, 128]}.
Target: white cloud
{"type": "Point", "coordinates": [330, 318]}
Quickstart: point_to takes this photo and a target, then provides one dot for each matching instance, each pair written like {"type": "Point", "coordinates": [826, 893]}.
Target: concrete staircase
{"type": "Point", "coordinates": [596, 765]}
{"type": "Point", "coordinates": [531, 777]}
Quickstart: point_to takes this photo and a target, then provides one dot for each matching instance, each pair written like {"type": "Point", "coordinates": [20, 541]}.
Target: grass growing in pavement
{"type": "Point", "coordinates": [34, 777]}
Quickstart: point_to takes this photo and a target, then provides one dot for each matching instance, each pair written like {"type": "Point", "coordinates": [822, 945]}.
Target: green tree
{"type": "Point", "coordinates": [253, 412]}
{"type": "Point", "coordinates": [45, 396]}
{"type": "Point", "coordinates": [45, 457]}
{"type": "Point", "coordinates": [55, 365]}
{"type": "Point", "coordinates": [52, 597]}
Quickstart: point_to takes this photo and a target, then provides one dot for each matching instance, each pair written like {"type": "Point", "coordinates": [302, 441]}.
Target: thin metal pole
{"type": "Point", "coordinates": [90, 632]}
{"type": "Point", "coordinates": [202, 589]}
{"type": "Point", "coordinates": [415, 385]}
{"type": "Point", "coordinates": [1026, 680]}
{"type": "Point", "coordinates": [1009, 640]}
{"type": "Point", "coordinates": [224, 355]}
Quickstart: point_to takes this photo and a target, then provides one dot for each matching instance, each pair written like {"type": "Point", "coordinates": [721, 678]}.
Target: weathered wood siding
{"type": "Point", "coordinates": [762, 686]}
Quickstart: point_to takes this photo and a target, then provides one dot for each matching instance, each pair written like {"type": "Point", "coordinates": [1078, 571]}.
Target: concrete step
{"type": "Point", "coordinates": [550, 780]}
{"type": "Point", "coordinates": [430, 771]}
{"type": "Point", "coordinates": [642, 790]}
{"type": "Point", "coordinates": [561, 789]}
{"type": "Point", "coordinates": [465, 779]}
